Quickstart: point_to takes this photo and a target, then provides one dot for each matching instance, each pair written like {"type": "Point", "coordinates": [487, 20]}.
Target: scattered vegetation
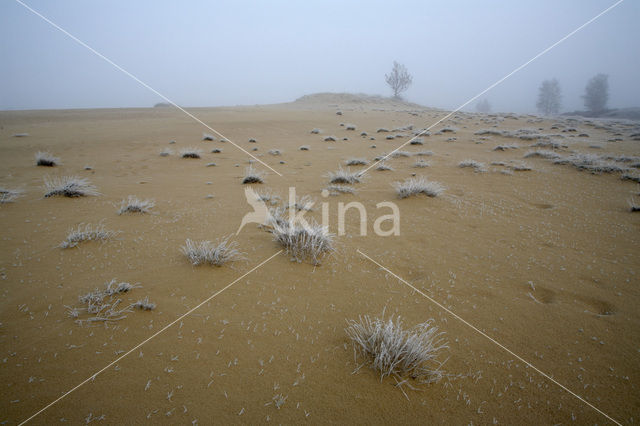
{"type": "Point", "coordinates": [252, 176]}
{"type": "Point", "coordinates": [86, 232]}
{"type": "Point", "coordinates": [68, 186]}
{"type": "Point", "coordinates": [383, 167]}
{"type": "Point", "coordinates": [304, 148]}
{"type": "Point", "coordinates": [392, 350]}
{"type": "Point", "coordinates": [344, 176]}
{"type": "Point", "coordinates": [357, 162]}
{"type": "Point", "coordinates": [46, 159]}
{"type": "Point", "coordinates": [475, 165]}
{"type": "Point", "coordinates": [135, 205]}
{"type": "Point", "coordinates": [190, 153]}
{"type": "Point", "coordinates": [304, 243]}
{"type": "Point", "coordinates": [104, 305]}
{"type": "Point", "coordinates": [542, 153]}
{"type": "Point", "coordinates": [418, 185]}
{"type": "Point", "coordinates": [340, 189]}
{"type": "Point", "coordinates": [212, 253]}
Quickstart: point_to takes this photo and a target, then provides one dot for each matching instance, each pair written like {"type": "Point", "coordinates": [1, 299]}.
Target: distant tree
{"type": "Point", "coordinates": [483, 106]}
{"type": "Point", "coordinates": [549, 97]}
{"type": "Point", "coordinates": [399, 79]}
{"type": "Point", "coordinates": [596, 94]}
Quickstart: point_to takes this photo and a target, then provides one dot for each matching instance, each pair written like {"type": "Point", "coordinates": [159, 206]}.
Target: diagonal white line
{"type": "Point", "coordinates": [100, 55]}
{"type": "Point", "coordinates": [493, 85]}
{"type": "Point", "coordinates": [93, 376]}
{"type": "Point", "coordinates": [491, 339]}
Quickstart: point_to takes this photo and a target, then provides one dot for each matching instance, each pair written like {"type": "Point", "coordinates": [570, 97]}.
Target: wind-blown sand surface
{"type": "Point", "coordinates": [545, 261]}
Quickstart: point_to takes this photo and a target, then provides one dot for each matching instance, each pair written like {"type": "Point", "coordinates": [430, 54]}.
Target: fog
{"type": "Point", "coordinates": [212, 53]}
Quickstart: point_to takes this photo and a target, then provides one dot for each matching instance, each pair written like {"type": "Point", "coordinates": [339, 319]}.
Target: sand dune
{"type": "Point", "coordinates": [540, 254]}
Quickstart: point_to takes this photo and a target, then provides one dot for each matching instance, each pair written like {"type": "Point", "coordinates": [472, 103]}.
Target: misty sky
{"type": "Point", "coordinates": [211, 53]}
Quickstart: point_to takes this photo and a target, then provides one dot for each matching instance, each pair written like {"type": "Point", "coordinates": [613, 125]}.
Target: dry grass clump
{"type": "Point", "coordinates": [252, 176]}
{"type": "Point", "coordinates": [144, 304]}
{"type": "Point", "coordinates": [357, 162]}
{"type": "Point", "coordinates": [190, 153]}
{"type": "Point", "coordinates": [86, 232]}
{"type": "Point", "coordinates": [68, 186]}
{"type": "Point", "coordinates": [304, 148]}
{"type": "Point", "coordinates": [350, 126]}
{"type": "Point", "coordinates": [475, 165]}
{"type": "Point", "coordinates": [392, 350]}
{"type": "Point", "coordinates": [104, 304]}
{"type": "Point", "coordinates": [304, 243]}
{"type": "Point", "coordinates": [340, 189]}
{"type": "Point", "coordinates": [400, 154]}
{"type": "Point", "coordinates": [592, 163]}
{"type": "Point", "coordinates": [542, 153]}
{"type": "Point", "coordinates": [417, 141]}
{"type": "Point", "coordinates": [208, 137]}
{"type": "Point", "coordinates": [135, 205]}
{"type": "Point", "coordinates": [9, 195]}
{"type": "Point", "coordinates": [418, 185]}
{"type": "Point", "coordinates": [383, 167]}
{"type": "Point", "coordinates": [330, 139]}
{"type": "Point", "coordinates": [46, 159]}
{"type": "Point", "coordinates": [212, 253]}
{"type": "Point", "coordinates": [344, 176]}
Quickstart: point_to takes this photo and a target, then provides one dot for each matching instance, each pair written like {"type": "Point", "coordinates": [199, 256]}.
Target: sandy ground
{"type": "Point", "coordinates": [545, 261]}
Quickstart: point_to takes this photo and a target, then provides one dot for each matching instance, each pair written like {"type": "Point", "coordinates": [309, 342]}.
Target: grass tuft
{"type": "Point", "coordinates": [392, 350]}
{"type": "Point", "coordinates": [190, 153]}
{"type": "Point", "coordinates": [68, 186]}
{"type": "Point", "coordinates": [86, 232]}
{"type": "Point", "coordinates": [304, 243]}
{"type": "Point", "coordinates": [9, 195]}
{"type": "Point", "coordinates": [212, 253]}
{"type": "Point", "coordinates": [46, 159]}
{"type": "Point", "coordinates": [252, 176]}
{"type": "Point", "coordinates": [134, 205]}
{"type": "Point", "coordinates": [344, 176]}
{"type": "Point", "coordinates": [418, 185]}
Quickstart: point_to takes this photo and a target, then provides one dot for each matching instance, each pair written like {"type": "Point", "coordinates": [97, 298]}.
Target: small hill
{"type": "Point", "coordinates": [354, 100]}
{"type": "Point", "coordinates": [624, 113]}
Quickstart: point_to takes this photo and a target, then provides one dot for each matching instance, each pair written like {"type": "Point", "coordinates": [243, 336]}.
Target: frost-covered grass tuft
{"type": "Point", "coordinates": [382, 167]}
{"type": "Point", "coordinates": [356, 162]}
{"type": "Point", "coordinates": [592, 163]}
{"type": "Point", "coordinates": [506, 147]}
{"type": "Point", "coordinates": [304, 243]}
{"type": "Point", "coordinates": [392, 350]}
{"type": "Point", "coordinates": [340, 189]}
{"type": "Point", "coordinates": [145, 304]}
{"type": "Point", "coordinates": [330, 139]}
{"type": "Point", "coordinates": [9, 195]}
{"type": "Point", "coordinates": [304, 148]}
{"type": "Point", "coordinates": [86, 232]}
{"type": "Point", "coordinates": [68, 186]}
{"type": "Point", "coordinates": [190, 153]}
{"type": "Point", "coordinates": [252, 176]}
{"type": "Point", "coordinates": [542, 153]}
{"type": "Point", "coordinates": [208, 137]}
{"type": "Point", "coordinates": [315, 131]}
{"type": "Point", "coordinates": [475, 165]}
{"type": "Point", "coordinates": [350, 127]}
{"type": "Point", "coordinates": [418, 185]}
{"type": "Point", "coordinates": [166, 152]}
{"type": "Point", "coordinates": [275, 152]}
{"type": "Point", "coordinates": [421, 164]}
{"type": "Point", "coordinates": [424, 153]}
{"type": "Point", "coordinates": [46, 159]}
{"type": "Point", "coordinates": [134, 205]}
{"type": "Point", "coordinates": [212, 253]}
{"type": "Point", "coordinates": [400, 154]}
{"type": "Point", "coordinates": [344, 176]}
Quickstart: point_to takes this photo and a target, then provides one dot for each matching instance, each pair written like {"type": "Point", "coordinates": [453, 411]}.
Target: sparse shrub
{"type": "Point", "coordinates": [212, 253]}
{"type": "Point", "coordinates": [145, 304]}
{"type": "Point", "coordinates": [9, 195]}
{"type": "Point", "coordinates": [344, 176]}
{"type": "Point", "coordinates": [190, 153]}
{"type": "Point", "coordinates": [340, 189]}
{"type": "Point", "coordinates": [475, 165]}
{"type": "Point", "coordinates": [86, 232]}
{"type": "Point", "coordinates": [252, 176]}
{"type": "Point", "coordinates": [542, 153]}
{"type": "Point", "coordinates": [304, 243]}
{"type": "Point", "coordinates": [418, 185]}
{"type": "Point", "coordinates": [68, 186]}
{"type": "Point", "coordinates": [392, 350]}
{"type": "Point", "coordinates": [357, 162]}
{"type": "Point", "coordinates": [134, 205]}
{"type": "Point", "coordinates": [46, 159]}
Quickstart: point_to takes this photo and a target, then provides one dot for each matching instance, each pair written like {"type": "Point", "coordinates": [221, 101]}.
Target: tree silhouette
{"type": "Point", "coordinates": [596, 94]}
{"type": "Point", "coordinates": [549, 97]}
{"type": "Point", "coordinates": [399, 79]}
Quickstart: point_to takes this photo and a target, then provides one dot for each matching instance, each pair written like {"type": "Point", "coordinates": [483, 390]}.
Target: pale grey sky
{"type": "Point", "coordinates": [211, 53]}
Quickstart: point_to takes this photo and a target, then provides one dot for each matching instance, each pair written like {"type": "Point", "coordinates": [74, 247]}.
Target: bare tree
{"type": "Point", "coordinates": [596, 94]}
{"type": "Point", "coordinates": [549, 97]}
{"type": "Point", "coordinates": [483, 106]}
{"type": "Point", "coordinates": [399, 79]}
